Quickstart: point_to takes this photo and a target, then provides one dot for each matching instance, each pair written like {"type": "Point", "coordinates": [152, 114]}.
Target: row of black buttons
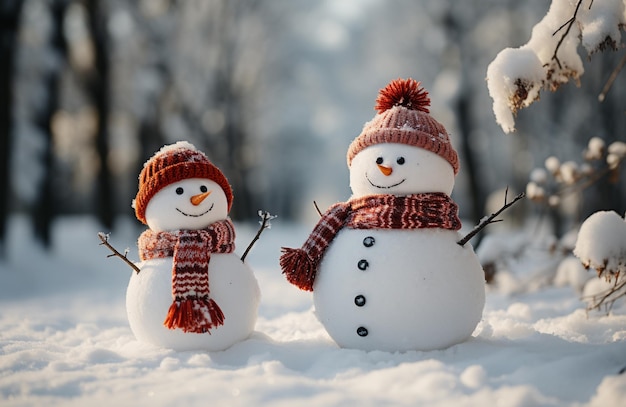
{"type": "Point", "coordinates": [359, 300]}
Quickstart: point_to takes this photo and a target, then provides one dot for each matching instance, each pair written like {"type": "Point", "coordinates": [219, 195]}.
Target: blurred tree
{"type": "Point", "coordinates": [98, 86]}
{"type": "Point", "coordinates": [10, 11]}
{"type": "Point", "coordinates": [46, 204]}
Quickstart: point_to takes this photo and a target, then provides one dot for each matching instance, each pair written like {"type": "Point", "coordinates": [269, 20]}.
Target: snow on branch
{"type": "Point", "coordinates": [550, 58]}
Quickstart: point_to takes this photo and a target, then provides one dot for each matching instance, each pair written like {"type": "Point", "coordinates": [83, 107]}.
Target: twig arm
{"type": "Point", "coordinates": [489, 219]}
{"type": "Point", "coordinates": [105, 242]}
{"type": "Point", "coordinates": [266, 217]}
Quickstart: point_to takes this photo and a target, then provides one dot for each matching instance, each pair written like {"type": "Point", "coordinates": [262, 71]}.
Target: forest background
{"type": "Point", "coordinates": [273, 92]}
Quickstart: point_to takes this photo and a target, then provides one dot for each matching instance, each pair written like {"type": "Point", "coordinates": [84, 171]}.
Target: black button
{"type": "Point", "coordinates": [363, 264]}
{"type": "Point", "coordinates": [361, 331]}
{"type": "Point", "coordinates": [359, 300]}
{"type": "Point", "coordinates": [369, 241]}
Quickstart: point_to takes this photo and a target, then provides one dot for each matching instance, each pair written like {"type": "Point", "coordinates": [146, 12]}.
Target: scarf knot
{"type": "Point", "coordinates": [192, 309]}
{"type": "Point", "coordinates": [418, 211]}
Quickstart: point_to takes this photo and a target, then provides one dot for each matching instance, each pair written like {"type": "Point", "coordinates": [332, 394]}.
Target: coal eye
{"type": "Point", "coordinates": [400, 160]}
{"type": "Point", "coordinates": [180, 190]}
{"type": "Point", "coordinates": [379, 160]}
{"type": "Point", "coordinates": [203, 188]}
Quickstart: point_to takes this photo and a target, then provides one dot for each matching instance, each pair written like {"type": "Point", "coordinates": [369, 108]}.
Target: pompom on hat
{"type": "Point", "coordinates": [403, 117]}
{"type": "Point", "coordinates": [173, 163]}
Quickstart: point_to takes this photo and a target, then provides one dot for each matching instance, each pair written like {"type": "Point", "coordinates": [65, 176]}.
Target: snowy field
{"type": "Point", "coordinates": [65, 341]}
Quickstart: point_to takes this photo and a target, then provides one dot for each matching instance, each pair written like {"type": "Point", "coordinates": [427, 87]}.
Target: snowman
{"type": "Point", "coordinates": [192, 291]}
{"type": "Point", "coordinates": [384, 267]}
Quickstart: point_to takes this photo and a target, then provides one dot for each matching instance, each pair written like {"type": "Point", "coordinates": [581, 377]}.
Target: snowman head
{"type": "Point", "coordinates": [402, 150]}
{"type": "Point", "coordinates": [399, 169]}
{"type": "Point", "coordinates": [190, 204]}
{"type": "Point", "coordinates": [179, 188]}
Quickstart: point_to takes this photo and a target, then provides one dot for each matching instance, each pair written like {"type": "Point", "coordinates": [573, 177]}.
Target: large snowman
{"type": "Point", "coordinates": [192, 290]}
{"type": "Point", "coordinates": [384, 267]}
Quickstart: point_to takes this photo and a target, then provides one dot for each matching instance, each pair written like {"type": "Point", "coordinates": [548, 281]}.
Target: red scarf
{"type": "Point", "coordinates": [429, 210]}
{"type": "Point", "coordinates": [192, 310]}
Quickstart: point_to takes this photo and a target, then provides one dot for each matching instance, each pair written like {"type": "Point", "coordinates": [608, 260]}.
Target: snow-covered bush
{"type": "Point", "coordinates": [550, 184]}
{"type": "Point", "coordinates": [601, 245]}
{"type": "Point", "coordinates": [548, 60]}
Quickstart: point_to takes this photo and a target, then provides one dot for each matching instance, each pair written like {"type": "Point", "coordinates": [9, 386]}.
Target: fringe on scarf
{"type": "Point", "coordinates": [196, 315]}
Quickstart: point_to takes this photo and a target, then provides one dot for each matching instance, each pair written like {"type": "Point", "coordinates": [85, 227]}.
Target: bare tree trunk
{"type": "Point", "coordinates": [9, 25]}
{"type": "Point", "coordinates": [464, 115]}
{"type": "Point", "coordinates": [98, 85]}
{"type": "Point", "coordinates": [45, 209]}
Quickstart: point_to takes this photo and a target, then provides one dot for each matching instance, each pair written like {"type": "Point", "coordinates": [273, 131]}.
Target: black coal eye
{"type": "Point", "coordinates": [379, 160]}
{"type": "Point", "coordinates": [203, 188]}
{"type": "Point", "coordinates": [400, 160]}
{"type": "Point", "coordinates": [180, 190]}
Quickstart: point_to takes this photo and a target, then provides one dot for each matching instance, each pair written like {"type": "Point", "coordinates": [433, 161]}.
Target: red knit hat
{"type": "Point", "coordinates": [403, 118]}
{"type": "Point", "coordinates": [171, 164]}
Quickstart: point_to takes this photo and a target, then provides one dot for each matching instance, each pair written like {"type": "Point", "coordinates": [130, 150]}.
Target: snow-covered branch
{"type": "Point", "coordinates": [550, 58]}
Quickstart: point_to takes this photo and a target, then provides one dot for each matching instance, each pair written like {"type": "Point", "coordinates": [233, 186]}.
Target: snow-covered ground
{"type": "Point", "coordinates": [65, 341]}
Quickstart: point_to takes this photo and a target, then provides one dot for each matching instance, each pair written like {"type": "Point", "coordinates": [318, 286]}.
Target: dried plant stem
{"type": "Point", "coordinates": [490, 219]}
{"type": "Point", "coordinates": [604, 296]}
{"type": "Point", "coordinates": [105, 242]}
{"type": "Point", "coordinates": [609, 82]}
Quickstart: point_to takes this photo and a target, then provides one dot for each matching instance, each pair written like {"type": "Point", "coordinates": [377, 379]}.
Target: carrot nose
{"type": "Point", "coordinates": [197, 199]}
{"type": "Point", "coordinates": [385, 170]}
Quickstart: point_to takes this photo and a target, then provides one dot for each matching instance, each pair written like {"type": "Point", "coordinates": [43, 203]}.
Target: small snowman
{"type": "Point", "coordinates": [385, 268]}
{"type": "Point", "coordinates": [192, 291]}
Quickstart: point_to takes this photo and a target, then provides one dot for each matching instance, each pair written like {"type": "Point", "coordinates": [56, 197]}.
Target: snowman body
{"type": "Point", "coordinates": [399, 290]}
{"type": "Point", "coordinates": [233, 287]}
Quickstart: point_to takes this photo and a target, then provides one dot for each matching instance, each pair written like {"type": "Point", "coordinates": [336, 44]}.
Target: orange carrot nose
{"type": "Point", "coordinates": [197, 199]}
{"type": "Point", "coordinates": [385, 170]}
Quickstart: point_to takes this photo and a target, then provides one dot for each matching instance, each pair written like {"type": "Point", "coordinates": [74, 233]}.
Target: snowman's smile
{"type": "Point", "coordinates": [198, 215]}
{"type": "Point", "coordinates": [383, 186]}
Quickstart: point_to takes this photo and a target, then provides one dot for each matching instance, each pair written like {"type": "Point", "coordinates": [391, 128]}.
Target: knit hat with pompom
{"type": "Point", "coordinates": [403, 117]}
{"type": "Point", "coordinates": [173, 163]}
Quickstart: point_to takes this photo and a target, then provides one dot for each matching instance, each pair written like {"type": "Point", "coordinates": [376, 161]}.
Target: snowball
{"type": "Point", "coordinates": [595, 148]}
{"type": "Point", "coordinates": [569, 172]}
{"type": "Point", "coordinates": [233, 287]}
{"type": "Point", "coordinates": [534, 191]}
{"type": "Point", "coordinates": [618, 148]}
{"type": "Point", "coordinates": [552, 164]}
{"type": "Point", "coordinates": [613, 160]}
{"type": "Point", "coordinates": [419, 289]}
{"type": "Point", "coordinates": [601, 242]}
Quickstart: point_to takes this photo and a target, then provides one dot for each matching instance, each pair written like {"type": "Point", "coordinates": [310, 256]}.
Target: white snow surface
{"type": "Point", "coordinates": [65, 341]}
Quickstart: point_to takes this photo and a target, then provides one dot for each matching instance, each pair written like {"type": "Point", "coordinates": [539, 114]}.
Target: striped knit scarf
{"type": "Point", "coordinates": [192, 310]}
{"type": "Point", "coordinates": [428, 210]}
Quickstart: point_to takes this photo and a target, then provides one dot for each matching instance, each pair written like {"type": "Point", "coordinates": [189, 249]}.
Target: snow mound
{"type": "Point", "coordinates": [601, 242]}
